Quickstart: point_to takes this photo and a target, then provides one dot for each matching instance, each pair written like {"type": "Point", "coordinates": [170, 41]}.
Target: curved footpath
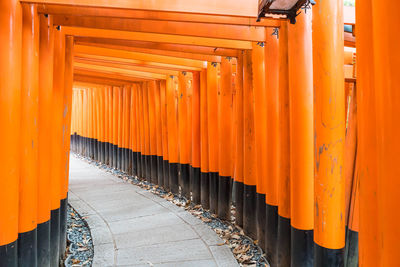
{"type": "Point", "coordinates": [133, 227]}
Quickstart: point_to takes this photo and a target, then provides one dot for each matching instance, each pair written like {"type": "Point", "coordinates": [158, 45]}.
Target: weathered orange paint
{"type": "Point", "coordinates": [329, 119]}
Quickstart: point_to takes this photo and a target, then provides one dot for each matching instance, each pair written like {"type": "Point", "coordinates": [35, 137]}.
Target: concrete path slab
{"type": "Point", "coordinates": [132, 227]}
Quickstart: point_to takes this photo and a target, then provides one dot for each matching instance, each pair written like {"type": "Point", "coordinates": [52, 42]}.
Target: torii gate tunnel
{"type": "Point", "coordinates": [294, 124]}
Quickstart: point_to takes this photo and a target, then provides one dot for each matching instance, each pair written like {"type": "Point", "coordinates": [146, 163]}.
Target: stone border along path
{"type": "Point", "coordinates": [130, 226]}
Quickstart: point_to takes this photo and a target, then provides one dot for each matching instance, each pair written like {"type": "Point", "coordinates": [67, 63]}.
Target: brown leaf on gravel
{"type": "Point", "coordinates": [206, 220]}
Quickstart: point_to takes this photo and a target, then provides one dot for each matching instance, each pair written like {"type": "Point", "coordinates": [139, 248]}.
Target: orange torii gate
{"type": "Point", "coordinates": [197, 97]}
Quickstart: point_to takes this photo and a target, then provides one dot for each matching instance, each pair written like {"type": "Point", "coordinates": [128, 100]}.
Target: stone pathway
{"type": "Point", "coordinates": [133, 227]}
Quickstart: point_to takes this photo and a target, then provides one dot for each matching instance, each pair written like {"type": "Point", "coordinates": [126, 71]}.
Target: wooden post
{"type": "Point", "coordinates": [301, 140]}
{"type": "Point", "coordinates": [329, 224]}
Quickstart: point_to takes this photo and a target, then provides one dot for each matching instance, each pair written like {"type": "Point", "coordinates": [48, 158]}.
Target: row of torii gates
{"type": "Point", "coordinates": [197, 96]}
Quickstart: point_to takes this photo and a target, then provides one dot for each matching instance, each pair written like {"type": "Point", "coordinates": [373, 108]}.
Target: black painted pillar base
{"type": "Point", "coordinates": [139, 164]}
{"type": "Point", "coordinates": [130, 162]}
{"type": "Point", "coordinates": [43, 244]}
{"type": "Point", "coordinates": [147, 159]}
{"type": "Point", "coordinates": [284, 243]}
{"type": "Point", "coordinates": [224, 197]}
{"type": "Point", "coordinates": [249, 211]}
{"type": "Point", "coordinates": [184, 180]}
{"type": "Point", "coordinates": [160, 173]}
{"type": "Point", "coordinates": [102, 152]}
{"type": "Point", "coordinates": [9, 255]}
{"type": "Point", "coordinates": [173, 177]}
{"type": "Point", "coordinates": [166, 175]}
{"type": "Point", "coordinates": [55, 238]}
{"type": "Point", "coordinates": [110, 154]}
{"type": "Point", "coordinates": [98, 143]}
{"type": "Point", "coordinates": [153, 169]}
{"type": "Point", "coordinates": [119, 158]}
{"type": "Point", "coordinates": [106, 153]}
{"type": "Point", "coordinates": [351, 253]}
{"type": "Point", "coordinates": [195, 184]}
{"type": "Point", "coordinates": [134, 163]}
{"type": "Point", "coordinates": [261, 219]}
{"type": "Point", "coordinates": [63, 226]}
{"type": "Point", "coordinates": [238, 192]}
{"type": "Point", "coordinates": [214, 192]}
{"type": "Point", "coordinates": [27, 249]}
{"type": "Point", "coordinates": [205, 189]}
{"type": "Point", "coordinates": [325, 257]}
{"type": "Point", "coordinates": [271, 234]}
{"type": "Point", "coordinates": [114, 156]}
{"type": "Point", "coordinates": [302, 247]}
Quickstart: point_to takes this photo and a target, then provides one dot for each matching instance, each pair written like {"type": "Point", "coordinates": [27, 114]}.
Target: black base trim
{"type": "Point", "coordinates": [284, 237]}
{"type": "Point", "coordinates": [214, 192]}
{"type": "Point", "coordinates": [9, 255]}
{"type": "Point", "coordinates": [249, 211]}
{"type": "Point", "coordinates": [325, 257]}
{"type": "Point", "coordinates": [184, 180]}
{"type": "Point", "coordinates": [224, 197]}
{"type": "Point", "coordinates": [238, 200]}
{"type": "Point", "coordinates": [351, 256]}
{"type": "Point", "coordinates": [271, 234]}
{"type": "Point", "coordinates": [106, 153]}
{"type": "Point", "coordinates": [173, 177]}
{"type": "Point", "coordinates": [205, 189]}
{"type": "Point", "coordinates": [43, 244]}
{"type": "Point", "coordinates": [302, 247]}
{"type": "Point", "coordinates": [55, 238]}
{"type": "Point", "coordinates": [166, 175]}
{"type": "Point", "coordinates": [153, 169]}
{"type": "Point", "coordinates": [63, 226]}
{"type": "Point", "coordinates": [195, 184]}
{"type": "Point", "coordinates": [160, 172]}
{"type": "Point", "coordinates": [27, 249]}
{"type": "Point", "coordinates": [261, 219]}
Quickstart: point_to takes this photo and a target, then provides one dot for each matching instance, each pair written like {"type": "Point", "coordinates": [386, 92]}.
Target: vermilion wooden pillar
{"type": "Point", "coordinates": [329, 121]}
{"type": "Point", "coordinates": [301, 140]}
{"type": "Point", "coordinates": [204, 160]}
{"type": "Point", "coordinates": [225, 136]}
{"type": "Point", "coordinates": [10, 111]}
{"type": "Point", "coordinates": [46, 52]}
{"type": "Point", "coordinates": [260, 128]}
{"type": "Point", "coordinates": [196, 137]}
{"type": "Point", "coordinates": [369, 237]}
{"type": "Point", "coordinates": [272, 65]}
{"type": "Point", "coordinates": [387, 99]}
{"type": "Point", "coordinates": [249, 154]}
{"type": "Point", "coordinates": [283, 183]}
{"type": "Point", "coordinates": [212, 110]}
{"type": "Point", "coordinates": [27, 238]}
{"type": "Point", "coordinates": [239, 121]}
{"type": "Point", "coordinates": [57, 147]}
{"type": "Point", "coordinates": [67, 113]}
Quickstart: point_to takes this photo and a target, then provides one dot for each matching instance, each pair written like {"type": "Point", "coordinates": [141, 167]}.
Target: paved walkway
{"type": "Point", "coordinates": [133, 227]}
